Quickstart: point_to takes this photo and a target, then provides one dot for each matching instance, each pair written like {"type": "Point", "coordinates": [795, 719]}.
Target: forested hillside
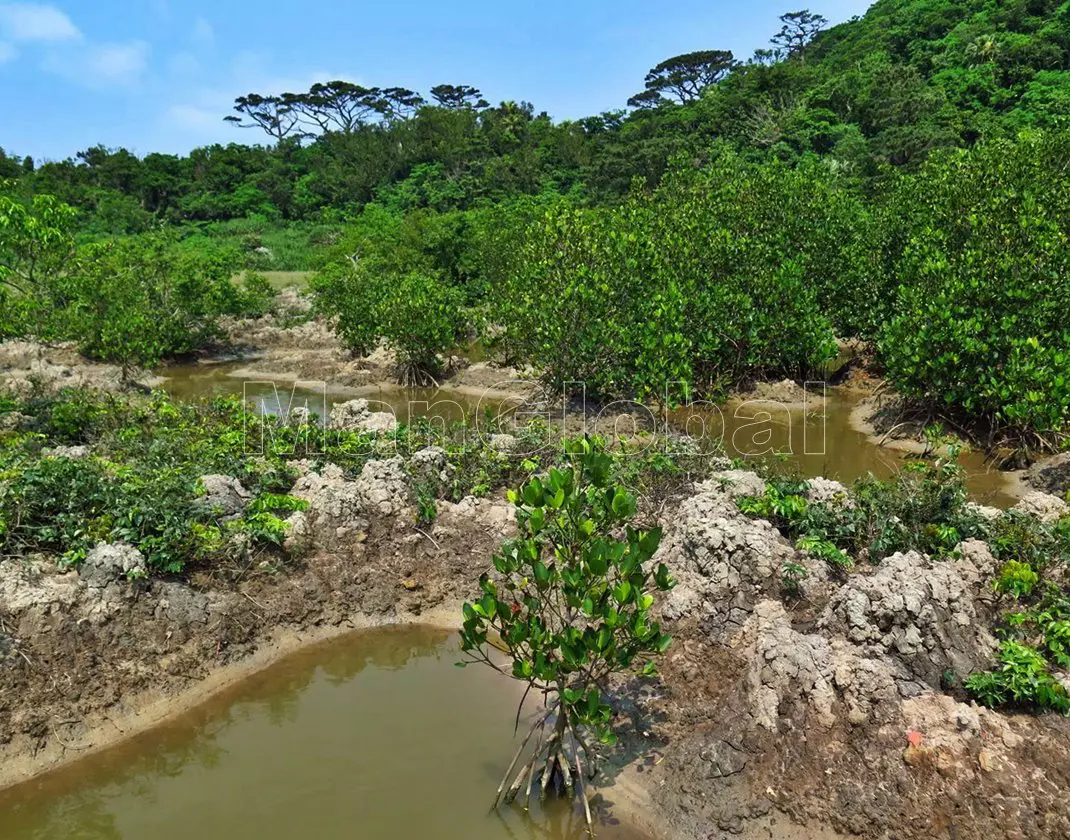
{"type": "Point", "coordinates": [886, 89]}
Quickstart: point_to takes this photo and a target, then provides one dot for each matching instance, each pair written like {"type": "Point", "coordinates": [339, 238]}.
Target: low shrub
{"type": "Point", "coordinates": [923, 508]}
{"type": "Point", "coordinates": [1035, 629]}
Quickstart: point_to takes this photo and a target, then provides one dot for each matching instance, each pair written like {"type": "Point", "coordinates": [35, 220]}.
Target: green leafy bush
{"type": "Point", "coordinates": [416, 313]}
{"type": "Point", "coordinates": [711, 281]}
{"type": "Point", "coordinates": [36, 246]}
{"type": "Point", "coordinates": [395, 279]}
{"type": "Point", "coordinates": [139, 300]}
{"type": "Point", "coordinates": [570, 601]}
{"type": "Point", "coordinates": [923, 508]}
{"type": "Point", "coordinates": [140, 482]}
{"type": "Point", "coordinates": [1036, 631]}
{"type": "Point", "coordinates": [980, 330]}
{"type": "Point", "coordinates": [1023, 679]}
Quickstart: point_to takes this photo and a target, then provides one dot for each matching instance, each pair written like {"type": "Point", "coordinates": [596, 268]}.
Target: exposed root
{"type": "Point", "coordinates": [541, 721]}
{"type": "Point", "coordinates": [549, 764]}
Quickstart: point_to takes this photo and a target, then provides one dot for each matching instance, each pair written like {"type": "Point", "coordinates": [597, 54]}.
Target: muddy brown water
{"type": "Point", "coordinates": [373, 735]}
{"type": "Point", "coordinates": [813, 439]}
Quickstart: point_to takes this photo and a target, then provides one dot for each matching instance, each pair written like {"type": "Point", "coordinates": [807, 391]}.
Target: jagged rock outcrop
{"type": "Point", "coordinates": [1044, 507]}
{"type": "Point", "coordinates": [504, 443]}
{"type": "Point", "coordinates": [224, 495]}
{"type": "Point", "coordinates": [799, 679]}
{"type": "Point", "coordinates": [339, 510]}
{"type": "Point", "coordinates": [109, 562]}
{"type": "Point", "coordinates": [107, 572]}
{"type": "Point", "coordinates": [721, 558]}
{"type": "Point", "coordinates": [300, 416]}
{"type": "Point", "coordinates": [335, 511]}
{"type": "Point", "coordinates": [494, 516]}
{"type": "Point", "coordinates": [430, 466]}
{"type": "Point", "coordinates": [11, 421]}
{"type": "Point", "coordinates": [918, 611]}
{"type": "Point", "coordinates": [384, 486]}
{"type": "Point", "coordinates": [828, 492]}
{"type": "Point", "coordinates": [735, 484]}
{"type": "Point", "coordinates": [75, 453]}
{"type": "Point", "coordinates": [984, 511]}
{"type": "Point", "coordinates": [355, 416]}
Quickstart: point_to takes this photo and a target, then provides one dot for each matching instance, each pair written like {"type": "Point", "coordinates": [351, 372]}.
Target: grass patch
{"type": "Point", "coordinates": [269, 247]}
{"type": "Point", "coordinates": [281, 280]}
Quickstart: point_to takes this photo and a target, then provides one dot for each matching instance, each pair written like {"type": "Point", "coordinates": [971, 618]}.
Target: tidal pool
{"type": "Point", "coordinates": [373, 735]}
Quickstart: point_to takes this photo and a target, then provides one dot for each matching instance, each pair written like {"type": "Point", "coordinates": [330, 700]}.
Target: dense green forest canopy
{"type": "Point", "coordinates": [886, 89]}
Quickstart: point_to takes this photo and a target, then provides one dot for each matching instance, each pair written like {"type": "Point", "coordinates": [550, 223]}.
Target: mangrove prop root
{"type": "Point", "coordinates": [583, 787]}
{"type": "Point", "coordinates": [547, 770]}
{"type": "Point", "coordinates": [516, 757]}
{"type": "Point", "coordinates": [566, 770]}
{"type": "Point", "coordinates": [550, 764]}
{"type": "Point", "coordinates": [531, 779]}
{"type": "Point", "coordinates": [592, 757]}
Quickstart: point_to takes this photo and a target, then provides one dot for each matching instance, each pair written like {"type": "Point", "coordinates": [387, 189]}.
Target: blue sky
{"type": "Point", "coordinates": [159, 75]}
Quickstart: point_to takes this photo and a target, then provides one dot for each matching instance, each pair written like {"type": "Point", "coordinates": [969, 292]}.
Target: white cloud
{"type": "Point", "coordinates": [34, 22]}
{"type": "Point", "coordinates": [7, 53]}
{"type": "Point", "coordinates": [100, 65]}
{"type": "Point", "coordinates": [116, 64]}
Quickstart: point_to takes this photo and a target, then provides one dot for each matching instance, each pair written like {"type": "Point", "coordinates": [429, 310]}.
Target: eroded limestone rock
{"type": "Point", "coordinates": [797, 679]}
{"type": "Point", "coordinates": [109, 562]}
{"type": "Point", "coordinates": [384, 486]}
{"type": "Point", "coordinates": [828, 492]}
{"type": "Point", "coordinates": [431, 466]}
{"type": "Point", "coordinates": [721, 558]}
{"type": "Point", "coordinates": [1046, 508]}
{"type": "Point", "coordinates": [75, 453]}
{"type": "Point", "coordinates": [918, 611]}
{"type": "Point", "coordinates": [338, 510]}
{"type": "Point", "coordinates": [224, 495]}
{"type": "Point", "coordinates": [355, 416]}
{"type": "Point", "coordinates": [335, 512]}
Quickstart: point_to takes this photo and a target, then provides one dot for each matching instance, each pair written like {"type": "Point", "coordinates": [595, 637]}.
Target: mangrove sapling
{"type": "Point", "coordinates": [569, 604]}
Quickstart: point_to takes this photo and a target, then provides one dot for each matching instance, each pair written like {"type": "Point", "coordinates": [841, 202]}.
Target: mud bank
{"type": "Point", "coordinates": [89, 657]}
{"type": "Point", "coordinates": [310, 352]}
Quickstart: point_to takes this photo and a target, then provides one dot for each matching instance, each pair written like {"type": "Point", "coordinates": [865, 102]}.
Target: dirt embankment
{"type": "Point", "coordinates": [90, 657]}
{"type": "Point", "coordinates": [828, 713]}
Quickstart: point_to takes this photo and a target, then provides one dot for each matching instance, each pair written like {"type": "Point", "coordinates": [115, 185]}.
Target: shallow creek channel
{"type": "Point", "coordinates": [811, 440]}
{"type": "Point", "coordinates": [371, 735]}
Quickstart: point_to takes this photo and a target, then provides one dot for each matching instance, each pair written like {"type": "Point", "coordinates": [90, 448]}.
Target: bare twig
{"type": "Point", "coordinates": [424, 533]}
